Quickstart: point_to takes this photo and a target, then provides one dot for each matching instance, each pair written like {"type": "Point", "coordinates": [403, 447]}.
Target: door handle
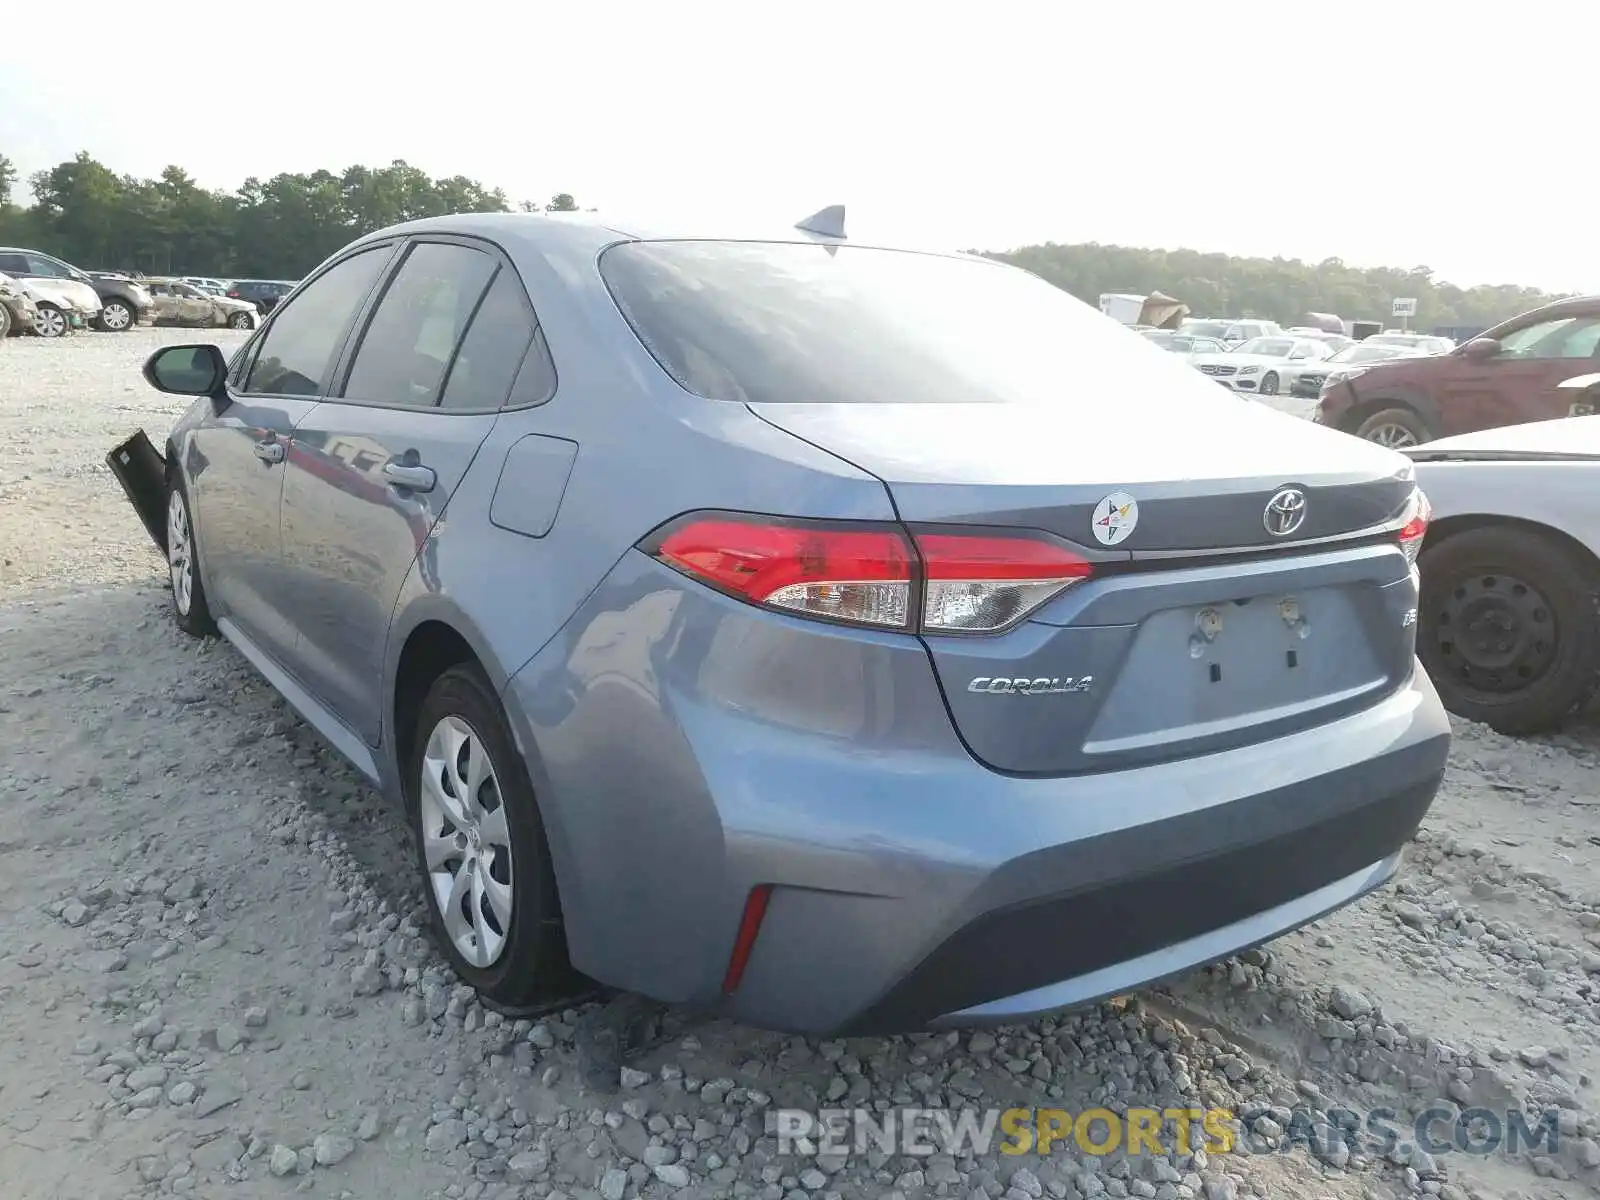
{"type": "Point", "coordinates": [269, 450]}
{"type": "Point", "coordinates": [412, 477]}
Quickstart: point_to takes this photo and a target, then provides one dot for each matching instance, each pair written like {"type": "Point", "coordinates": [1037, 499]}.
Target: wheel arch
{"type": "Point", "coordinates": [431, 636]}
{"type": "Point", "coordinates": [1366, 404]}
{"type": "Point", "coordinates": [1446, 528]}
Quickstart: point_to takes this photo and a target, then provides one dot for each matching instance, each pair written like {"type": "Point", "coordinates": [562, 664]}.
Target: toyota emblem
{"type": "Point", "coordinates": [1286, 512]}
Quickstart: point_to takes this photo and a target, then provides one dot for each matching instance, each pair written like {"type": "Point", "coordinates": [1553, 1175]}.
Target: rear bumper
{"type": "Point", "coordinates": [687, 748]}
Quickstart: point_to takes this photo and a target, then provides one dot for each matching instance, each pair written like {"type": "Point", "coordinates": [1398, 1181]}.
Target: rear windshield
{"type": "Point", "coordinates": [773, 323]}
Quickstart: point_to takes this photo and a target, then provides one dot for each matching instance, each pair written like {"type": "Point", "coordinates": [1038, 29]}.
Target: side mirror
{"type": "Point", "coordinates": [186, 370]}
{"type": "Point", "coordinates": [1479, 349]}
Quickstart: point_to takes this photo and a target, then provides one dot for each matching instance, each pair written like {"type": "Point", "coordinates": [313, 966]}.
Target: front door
{"type": "Point", "coordinates": [1520, 383]}
{"type": "Point", "coordinates": [372, 470]}
{"type": "Point", "coordinates": [238, 460]}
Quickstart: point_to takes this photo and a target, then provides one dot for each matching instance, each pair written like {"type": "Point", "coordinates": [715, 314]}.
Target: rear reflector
{"type": "Point", "coordinates": [755, 911]}
{"type": "Point", "coordinates": [1417, 514]}
{"type": "Point", "coordinates": [863, 574]}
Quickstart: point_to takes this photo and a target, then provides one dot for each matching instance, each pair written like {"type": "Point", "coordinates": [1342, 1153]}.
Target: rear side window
{"type": "Point", "coordinates": [493, 349]}
{"type": "Point", "coordinates": [772, 323]}
{"type": "Point", "coordinates": [299, 348]}
{"type": "Point", "coordinates": [413, 334]}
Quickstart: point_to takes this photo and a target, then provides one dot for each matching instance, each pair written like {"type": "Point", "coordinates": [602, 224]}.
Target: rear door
{"type": "Point", "coordinates": [237, 458]}
{"type": "Point", "coordinates": [372, 468]}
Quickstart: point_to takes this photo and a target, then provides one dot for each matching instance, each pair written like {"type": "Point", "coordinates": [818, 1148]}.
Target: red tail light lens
{"type": "Point", "coordinates": [868, 575]}
{"type": "Point", "coordinates": [978, 584]}
{"type": "Point", "coordinates": [862, 576]}
{"type": "Point", "coordinates": [1418, 513]}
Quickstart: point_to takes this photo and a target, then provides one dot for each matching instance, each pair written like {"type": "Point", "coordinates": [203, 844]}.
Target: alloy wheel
{"type": "Point", "coordinates": [466, 841]}
{"type": "Point", "coordinates": [115, 316]}
{"type": "Point", "coordinates": [1395, 437]}
{"type": "Point", "coordinates": [50, 322]}
{"type": "Point", "coordinates": [180, 552]}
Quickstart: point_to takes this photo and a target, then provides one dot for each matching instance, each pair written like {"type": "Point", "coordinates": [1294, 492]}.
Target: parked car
{"type": "Point", "coordinates": [1229, 331]}
{"type": "Point", "coordinates": [1334, 341]}
{"type": "Point", "coordinates": [17, 310]}
{"type": "Point", "coordinates": [1423, 343]}
{"type": "Point", "coordinates": [825, 671]}
{"type": "Point", "coordinates": [1261, 364]}
{"type": "Point", "coordinates": [119, 302]}
{"type": "Point", "coordinates": [205, 283]}
{"type": "Point", "coordinates": [1508, 376]}
{"type": "Point", "coordinates": [60, 305]}
{"type": "Point", "coordinates": [1507, 626]}
{"type": "Point", "coordinates": [179, 303]}
{"type": "Point", "coordinates": [263, 293]}
{"type": "Point", "coordinates": [1184, 344]}
{"type": "Point", "coordinates": [1311, 378]}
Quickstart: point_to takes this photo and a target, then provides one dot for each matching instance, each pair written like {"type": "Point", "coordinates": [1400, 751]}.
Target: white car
{"type": "Point", "coordinates": [1186, 344]}
{"type": "Point", "coordinates": [1425, 343]}
{"type": "Point", "coordinates": [1310, 378]}
{"type": "Point", "coordinates": [1261, 364]}
{"type": "Point", "coordinates": [1227, 330]}
{"type": "Point", "coordinates": [63, 304]}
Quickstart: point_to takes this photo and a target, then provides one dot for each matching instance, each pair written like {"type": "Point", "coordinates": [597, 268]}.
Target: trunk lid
{"type": "Point", "coordinates": [1200, 630]}
{"type": "Point", "coordinates": [1202, 471]}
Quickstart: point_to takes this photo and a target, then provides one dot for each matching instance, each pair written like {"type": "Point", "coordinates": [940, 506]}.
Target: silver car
{"type": "Point", "coordinates": [829, 635]}
{"type": "Point", "coordinates": [179, 303]}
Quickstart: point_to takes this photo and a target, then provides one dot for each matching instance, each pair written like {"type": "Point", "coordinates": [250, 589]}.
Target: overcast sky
{"type": "Point", "coordinates": [1383, 133]}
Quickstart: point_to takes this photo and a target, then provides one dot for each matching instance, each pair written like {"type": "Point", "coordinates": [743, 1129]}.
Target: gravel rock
{"type": "Point", "coordinates": [331, 1149]}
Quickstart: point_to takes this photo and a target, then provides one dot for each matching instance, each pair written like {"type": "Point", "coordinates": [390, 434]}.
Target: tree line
{"type": "Point", "coordinates": [281, 227]}
{"type": "Point", "coordinates": [278, 228]}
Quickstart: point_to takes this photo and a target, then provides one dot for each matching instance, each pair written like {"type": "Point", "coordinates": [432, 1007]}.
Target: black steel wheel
{"type": "Point", "coordinates": [1507, 628]}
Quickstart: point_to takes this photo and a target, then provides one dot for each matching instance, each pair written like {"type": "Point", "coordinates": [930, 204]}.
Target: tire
{"type": "Point", "coordinates": [190, 610]}
{"type": "Point", "coordinates": [51, 322]}
{"type": "Point", "coordinates": [515, 954]}
{"type": "Point", "coordinates": [1269, 384]}
{"type": "Point", "coordinates": [5, 322]}
{"type": "Point", "coordinates": [1395, 427]}
{"type": "Point", "coordinates": [117, 317]}
{"type": "Point", "coordinates": [1507, 627]}
{"type": "Point", "coordinates": [241, 320]}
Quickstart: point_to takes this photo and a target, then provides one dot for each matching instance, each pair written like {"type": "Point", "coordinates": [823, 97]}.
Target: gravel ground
{"type": "Point", "coordinates": [212, 979]}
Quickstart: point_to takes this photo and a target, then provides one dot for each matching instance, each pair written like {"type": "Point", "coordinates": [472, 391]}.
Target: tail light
{"type": "Point", "coordinates": [870, 575]}
{"type": "Point", "coordinates": [233, 295]}
{"type": "Point", "coordinates": [1418, 512]}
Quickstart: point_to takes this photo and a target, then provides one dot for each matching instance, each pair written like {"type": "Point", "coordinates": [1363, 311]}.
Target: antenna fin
{"type": "Point", "coordinates": [828, 222]}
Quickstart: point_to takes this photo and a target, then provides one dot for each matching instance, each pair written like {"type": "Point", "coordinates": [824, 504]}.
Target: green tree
{"type": "Point", "coordinates": [1280, 289]}
{"type": "Point", "coordinates": [561, 202]}
{"type": "Point", "coordinates": [277, 227]}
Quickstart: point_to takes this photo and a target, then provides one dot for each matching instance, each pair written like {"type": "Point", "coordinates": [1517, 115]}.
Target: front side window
{"type": "Point", "coordinates": [413, 334]}
{"type": "Point", "coordinates": [38, 264]}
{"type": "Point", "coordinates": [299, 348]}
{"type": "Point", "coordinates": [774, 323]}
{"type": "Point", "coordinates": [1567, 337]}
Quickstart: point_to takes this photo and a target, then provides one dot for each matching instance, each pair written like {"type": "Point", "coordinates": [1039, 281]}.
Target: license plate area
{"type": "Point", "coordinates": [1203, 671]}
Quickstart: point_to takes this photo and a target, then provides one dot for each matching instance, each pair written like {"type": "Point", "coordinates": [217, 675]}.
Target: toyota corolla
{"type": "Point", "coordinates": [832, 636]}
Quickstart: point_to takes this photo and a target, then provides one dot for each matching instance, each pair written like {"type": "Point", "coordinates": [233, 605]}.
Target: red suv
{"type": "Point", "coordinates": [1507, 376]}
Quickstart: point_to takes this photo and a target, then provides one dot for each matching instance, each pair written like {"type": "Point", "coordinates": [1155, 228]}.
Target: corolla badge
{"type": "Point", "coordinates": [1043, 685]}
{"type": "Point", "coordinates": [1285, 513]}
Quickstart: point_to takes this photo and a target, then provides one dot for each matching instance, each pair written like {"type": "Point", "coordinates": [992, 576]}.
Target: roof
{"type": "Point", "coordinates": [594, 231]}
